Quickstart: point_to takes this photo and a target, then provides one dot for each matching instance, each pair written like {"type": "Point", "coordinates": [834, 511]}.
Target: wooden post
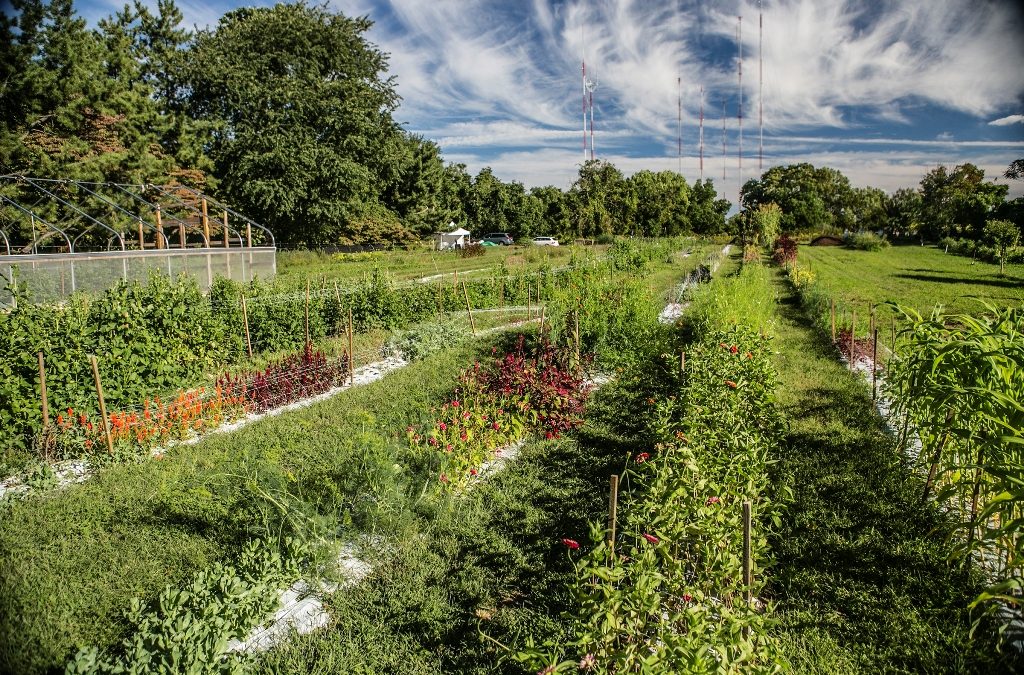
{"type": "Point", "coordinates": [853, 333]}
{"type": "Point", "coordinates": [874, 365]}
{"type": "Point", "coordinates": [42, 391]}
{"type": "Point", "coordinates": [227, 236]}
{"type": "Point", "coordinates": [181, 235]}
{"type": "Point", "coordinates": [160, 238]}
{"type": "Point", "coordinates": [469, 310]}
{"type": "Point", "coordinates": [576, 332]}
{"type": "Point", "coordinates": [682, 362]}
{"type": "Point", "coordinates": [103, 406]}
{"type": "Point", "coordinates": [245, 319]}
{"type": "Point", "coordinates": [142, 238]}
{"type": "Point", "coordinates": [248, 235]}
{"type": "Point", "coordinates": [833, 320]}
{"type": "Point", "coordinates": [351, 350]}
{"type": "Point", "coordinates": [613, 508]}
{"type": "Point", "coordinates": [206, 221]}
{"type": "Point", "coordinates": [307, 312]}
{"type": "Point", "coordinates": [748, 580]}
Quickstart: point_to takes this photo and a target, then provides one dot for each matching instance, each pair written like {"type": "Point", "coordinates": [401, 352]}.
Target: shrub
{"type": "Point", "coordinates": [866, 241]}
{"type": "Point", "coordinates": [471, 251]}
{"type": "Point", "coordinates": [785, 251]}
{"type": "Point", "coordinates": [605, 239]}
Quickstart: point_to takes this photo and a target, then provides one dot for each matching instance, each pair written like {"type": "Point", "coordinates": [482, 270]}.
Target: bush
{"type": "Point", "coordinates": [471, 251]}
{"type": "Point", "coordinates": [605, 239]}
{"type": "Point", "coordinates": [866, 241]}
{"type": "Point", "coordinates": [785, 251]}
{"type": "Point", "coordinates": [744, 299]}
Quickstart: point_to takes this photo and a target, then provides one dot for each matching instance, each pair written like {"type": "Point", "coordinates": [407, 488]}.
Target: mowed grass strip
{"type": "Point", "coordinates": [71, 560]}
{"type": "Point", "coordinates": [918, 277]}
{"type": "Point", "coordinates": [861, 576]}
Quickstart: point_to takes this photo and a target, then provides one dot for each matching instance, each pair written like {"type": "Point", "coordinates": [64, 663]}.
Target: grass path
{"type": "Point", "coordinates": [861, 580]}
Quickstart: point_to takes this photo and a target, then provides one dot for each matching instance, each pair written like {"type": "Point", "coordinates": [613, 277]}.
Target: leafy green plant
{"type": "Point", "coordinates": [866, 241]}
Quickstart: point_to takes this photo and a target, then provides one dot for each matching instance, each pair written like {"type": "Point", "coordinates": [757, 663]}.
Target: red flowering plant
{"type": "Point", "coordinates": [293, 378]}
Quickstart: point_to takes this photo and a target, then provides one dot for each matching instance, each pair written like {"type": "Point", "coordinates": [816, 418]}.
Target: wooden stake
{"type": "Point", "coordinates": [613, 508]}
{"type": "Point", "coordinates": [103, 406]}
{"type": "Point", "coordinates": [748, 580]}
{"type": "Point", "coordinates": [160, 239]}
{"type": "Point", "coordinates": [833, 320]}
{"type": "Point", "coordinates": [853, 333]}
{"type": "Point", "coordinates": [337, 295]}
{"type": "Point", "coordinates": [248, 235]}
{"type": "Point", "coordinates": [682, 362]}
{"type": "Point", "coordinates": [576, 332]}
{"type": "Point", "coordinates": [307, 312]}
{"type": "Point", "coordinates": [142, 238]}
{"type": "Point", "coordinates": [469, 310]}
{"type": "Point", "coordinates": [42, 391]}
{"type": "Point", "coordinates": [227, 236]}
{"type": "Point", "coordinates": [874, 365]}
{"type": "Point", "coordinates": [245, 319]}
{"type": "Point", "coordinates": [206, 220]}
{"type": "Point", "coordinates": [181, 235]}
{"type": "Point", "coordinates": [351, 349]}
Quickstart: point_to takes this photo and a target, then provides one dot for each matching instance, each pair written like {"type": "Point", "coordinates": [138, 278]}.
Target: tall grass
{"type": "Point", "coordinates": [744, 299]}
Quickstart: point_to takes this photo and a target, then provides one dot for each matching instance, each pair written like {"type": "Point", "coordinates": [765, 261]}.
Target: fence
{"type": "Point", "coordinates": [52, 277]}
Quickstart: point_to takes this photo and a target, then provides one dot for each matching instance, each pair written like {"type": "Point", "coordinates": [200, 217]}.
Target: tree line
{"type": "Point", "coordinates": [287, 113]}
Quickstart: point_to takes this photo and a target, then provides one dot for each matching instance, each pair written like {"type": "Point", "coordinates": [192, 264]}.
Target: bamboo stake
{"type": "Point", "coordinates": [307, 313]}
{"type": "Point", "coordinates": [351, 350]}
{"type": "Point", "coordinates": [245, 319]}
{"type": "Point", "coordinates": [469, 310]}
{"type": "Point", "coordinates": [682, 362]}
{"type": "Point", "coordinates": [613, 508]}
{"type": "Point", "coordinates": [42, 391]}
{"type": "Point", "coordinates": [103, 405]}
{"type": "Point", "coordinates": [576, 332]}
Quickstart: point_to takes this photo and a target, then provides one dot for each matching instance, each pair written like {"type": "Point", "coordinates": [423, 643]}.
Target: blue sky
{"type": "Point", "coordinates": [882, 90]}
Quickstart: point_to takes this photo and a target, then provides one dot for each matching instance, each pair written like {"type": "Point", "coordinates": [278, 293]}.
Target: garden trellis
{"type": "Point", "coordinates": [63, 235]}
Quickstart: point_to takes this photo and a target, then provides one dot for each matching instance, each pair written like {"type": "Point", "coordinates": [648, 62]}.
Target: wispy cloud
{"type": "Point", "coordinates": [1007, 121]}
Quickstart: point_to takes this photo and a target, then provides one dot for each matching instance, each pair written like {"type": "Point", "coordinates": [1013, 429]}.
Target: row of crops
{"type": "Point", "coordinates": [157, 344]}
{"type": "Point", "coordinates": [955, 385]}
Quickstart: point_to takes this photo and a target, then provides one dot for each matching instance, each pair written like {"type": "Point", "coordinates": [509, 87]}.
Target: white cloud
{"type": "Point", "coordinates": [1007, 121]}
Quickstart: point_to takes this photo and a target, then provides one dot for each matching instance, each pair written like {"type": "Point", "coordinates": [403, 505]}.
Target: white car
{"type": "Point", "coordinates": [545, 241]}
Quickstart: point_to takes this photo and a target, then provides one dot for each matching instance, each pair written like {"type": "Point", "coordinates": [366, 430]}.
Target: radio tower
{"type": "Point", "coordinates": [739, 108]}
{"type": "Point", "coordinates": [760, 88]}
{"type": "Point", "coordinates": [724, 155]}
{"type": "Point", "coordinates": [591, 86]}
{"type": "Point", "coordinates": [701, 136]}
{"type": "Point", "coordinates": [679, 123]}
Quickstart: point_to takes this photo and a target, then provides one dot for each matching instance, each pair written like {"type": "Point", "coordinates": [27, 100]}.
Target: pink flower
{"type": "Point", "coordinates": [444, 478]}
{"type": "Point", "coordinates": [473, 472]}
{"type": "Point", "coordinates": [571, 543]}
{"type": "Point", "coordinates": [588, 662]}
{"type": "Point", "coordinates": [642, 457]}
{"type": "Point", "coordinates": [713, 500]}
{"type": "Point", "coordinates": [687, 597]}
{"type": "Point", "coordinates": [464, 436]}
{"type": "Point", "coordinates": [432, 440]}
{"type": "Point", "coordinates": [466, 415]}
{"type": "Point", "coordinates": [442, 426]}
{"type": "Point", "coordinates": [650, 538]}
{"type": "Point", "coordinates": [449, 447]}
{"type": "Point", "coordinates": [455, 404]}
{"type": "Point", "coordinates": [734, 349]}
{"type": "Point", "coordinates": [495, 426]}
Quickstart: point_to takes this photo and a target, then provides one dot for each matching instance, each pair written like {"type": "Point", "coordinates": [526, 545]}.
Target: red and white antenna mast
{"type": "Point", "coordinates": [679, 123]}
{"type": "Point", "coordinates": [588, 100]}
{"type": "Point", "coordinates": [701, 136]}
{"type": "Point", "coordinates": [591, 86]}
{"type": "Point", "coordinates": [739, 108]}
{"type": "Point", "coordinates": [760, 88]}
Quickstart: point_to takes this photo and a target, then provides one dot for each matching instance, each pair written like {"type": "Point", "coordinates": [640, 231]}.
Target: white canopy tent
{"type": "Point", "coordinates": [457, 238]}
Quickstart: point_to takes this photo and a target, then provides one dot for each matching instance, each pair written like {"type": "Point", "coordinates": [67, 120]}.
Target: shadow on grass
{"type": "Point", "coordinates": [1004, 282]}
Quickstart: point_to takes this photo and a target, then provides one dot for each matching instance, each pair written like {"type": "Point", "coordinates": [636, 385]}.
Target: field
{"type": "Point", "coordinates": [471, 484]}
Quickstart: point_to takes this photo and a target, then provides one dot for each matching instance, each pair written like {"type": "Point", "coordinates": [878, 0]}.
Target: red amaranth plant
{"type": "Point", "coordinates": [291, 379]}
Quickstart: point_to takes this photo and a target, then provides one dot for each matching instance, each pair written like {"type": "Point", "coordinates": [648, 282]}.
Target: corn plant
{"type": "Point", "coordinates": [958, 381]}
